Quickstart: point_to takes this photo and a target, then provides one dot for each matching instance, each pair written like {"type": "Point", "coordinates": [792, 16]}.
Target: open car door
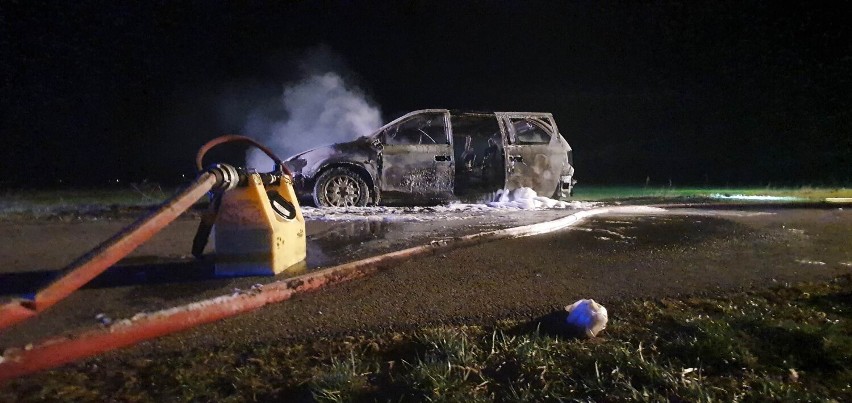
{"type": "Point", "coordinates": [533, 159]}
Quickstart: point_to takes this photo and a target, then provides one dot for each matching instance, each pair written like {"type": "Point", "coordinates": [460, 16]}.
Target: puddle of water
{"type": "Point", "coordinates": [345, 241]}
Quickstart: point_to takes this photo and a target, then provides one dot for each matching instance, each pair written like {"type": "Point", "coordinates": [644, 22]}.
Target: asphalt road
{"type": "Point", "coordinates": [613, 258]}
{"type": "Point", "coordinates": [161, 273]}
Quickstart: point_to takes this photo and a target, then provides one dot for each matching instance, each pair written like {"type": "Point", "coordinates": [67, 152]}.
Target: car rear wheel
{"type": "Point", "coordinates": [340, 187]}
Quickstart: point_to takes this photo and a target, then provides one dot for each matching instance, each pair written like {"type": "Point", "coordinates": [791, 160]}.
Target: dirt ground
{"type": "Point", "coordinates": [681, 252]}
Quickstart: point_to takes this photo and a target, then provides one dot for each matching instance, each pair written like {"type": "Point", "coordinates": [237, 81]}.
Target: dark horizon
{"type": "Point", "coordinates": [737, 93]}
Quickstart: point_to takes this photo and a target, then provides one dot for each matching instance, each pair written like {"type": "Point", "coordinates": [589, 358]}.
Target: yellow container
{"type": "Point", "coordinates": [256, 233]}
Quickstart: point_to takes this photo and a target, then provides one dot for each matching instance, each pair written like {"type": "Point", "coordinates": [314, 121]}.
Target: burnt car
{"type": "Point", "coordinates": [435, 156]}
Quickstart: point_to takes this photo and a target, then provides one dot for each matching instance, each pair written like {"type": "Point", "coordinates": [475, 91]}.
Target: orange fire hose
{"type": "Point", "coordinates": [109, 252]}
{"type": "Point", "coordinates": [53, 352]}
{"type": "Point", "coordinates": [93, 263]}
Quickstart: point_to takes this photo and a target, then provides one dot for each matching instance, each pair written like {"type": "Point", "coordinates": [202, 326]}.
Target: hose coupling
{"type": "Point", "coordinates": [227, 177]}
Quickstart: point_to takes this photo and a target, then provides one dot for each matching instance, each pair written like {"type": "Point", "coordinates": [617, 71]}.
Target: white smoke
{"type": "Point", "coordinates": [320, 109]}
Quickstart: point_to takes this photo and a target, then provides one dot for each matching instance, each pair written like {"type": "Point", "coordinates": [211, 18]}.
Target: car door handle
{"type": "Point", "coordinates": [442, 158]}
{"type": "Point", "coordinates": [516, 158]}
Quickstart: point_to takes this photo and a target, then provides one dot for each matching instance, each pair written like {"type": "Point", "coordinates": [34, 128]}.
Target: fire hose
{"type": "Point", "coordinates": [52, 352]}
{"type": "Point", "coordinates": [217, 179]}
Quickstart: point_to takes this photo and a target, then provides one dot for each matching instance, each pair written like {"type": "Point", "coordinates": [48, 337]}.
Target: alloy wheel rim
{"type": "Point", "coordinates": [342, 191]}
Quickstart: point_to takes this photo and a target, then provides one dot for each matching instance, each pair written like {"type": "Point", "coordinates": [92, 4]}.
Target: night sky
{"type": "Point", "coordinates": [737, 93]}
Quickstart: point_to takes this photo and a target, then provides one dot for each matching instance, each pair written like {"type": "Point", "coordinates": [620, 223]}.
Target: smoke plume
{"type": "Point", "coordinates": [319, 109]}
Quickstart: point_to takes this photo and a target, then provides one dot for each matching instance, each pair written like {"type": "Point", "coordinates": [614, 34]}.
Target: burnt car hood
{"type": "Point", "coordinates": [308, 163]}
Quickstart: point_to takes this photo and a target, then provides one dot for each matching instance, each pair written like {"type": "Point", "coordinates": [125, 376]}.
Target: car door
{"type": "Point", "coordinates": [417, 159]}
{"type": "Point", "coordinates": [533, 156]}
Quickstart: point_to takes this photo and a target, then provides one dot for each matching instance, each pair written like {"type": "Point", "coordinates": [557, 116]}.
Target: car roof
{"type": "Point", "coordinates": [462, 112]}
{"type": "Point", "coordinates": [471, 112]}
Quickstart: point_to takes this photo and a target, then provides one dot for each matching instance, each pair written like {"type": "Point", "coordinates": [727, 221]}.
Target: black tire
{"type": "Point", "coordinates": [341, 187]}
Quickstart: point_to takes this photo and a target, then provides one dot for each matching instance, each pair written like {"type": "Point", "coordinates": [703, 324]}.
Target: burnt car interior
{"type": "Point", "coordinates": [531, 131]}
{"type": "Point", "coordinates": [421, 129]}
{"type": "Point", "coordinates": [479, 156]}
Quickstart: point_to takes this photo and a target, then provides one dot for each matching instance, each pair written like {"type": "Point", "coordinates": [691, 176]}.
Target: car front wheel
{"type": "Point", "coordinates": [340, 187]}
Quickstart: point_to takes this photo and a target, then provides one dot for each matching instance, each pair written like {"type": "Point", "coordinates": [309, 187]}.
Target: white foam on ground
{"type": "Point", "coordinates": [526, 199]}
{"type": "Point", "coordinates": [522, 199]}
{"type": "Point", "coordinates": [812, 262]}
{"type": "Point", "coordinates": [755, 197]}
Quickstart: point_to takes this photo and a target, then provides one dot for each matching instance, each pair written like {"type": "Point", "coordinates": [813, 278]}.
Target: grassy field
{"type": "Point", "coordinates": [142, 194]}
{"type": "Point", "coordinates": [39, 204]}
{"type": "Point", "coordinates": [787, 343]}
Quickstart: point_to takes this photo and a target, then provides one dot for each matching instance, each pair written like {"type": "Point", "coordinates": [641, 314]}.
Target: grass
{"type": "Point", "coordinates": [623, 192]}
{"type": "Point", "coordinates": [786, 343]}
{"type": "Point", "coordinates": [38, 204]}
{"type": "Point", "coordinates": [135, 194]}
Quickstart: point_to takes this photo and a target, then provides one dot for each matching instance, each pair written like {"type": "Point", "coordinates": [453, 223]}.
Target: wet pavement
{"type": "Point", "coordinates": [608, 258]}
{"type": "Point", "coordinates": [161, 274]}
{"type": "Point", "coordinates": [673, 253]}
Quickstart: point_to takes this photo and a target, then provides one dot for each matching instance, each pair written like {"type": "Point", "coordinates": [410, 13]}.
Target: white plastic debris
{"type": "Point", "coordinates": [587, 315]}
{"type": "Point", "coordinates": [104, 319]}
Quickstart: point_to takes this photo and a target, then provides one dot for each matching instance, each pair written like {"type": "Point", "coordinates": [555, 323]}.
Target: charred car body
{"type": "Point", "coordinates": [434, 156]}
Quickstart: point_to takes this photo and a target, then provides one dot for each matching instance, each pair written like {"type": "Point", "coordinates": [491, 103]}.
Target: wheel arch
{"type": "Point", "coordinates": [354, 167]}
